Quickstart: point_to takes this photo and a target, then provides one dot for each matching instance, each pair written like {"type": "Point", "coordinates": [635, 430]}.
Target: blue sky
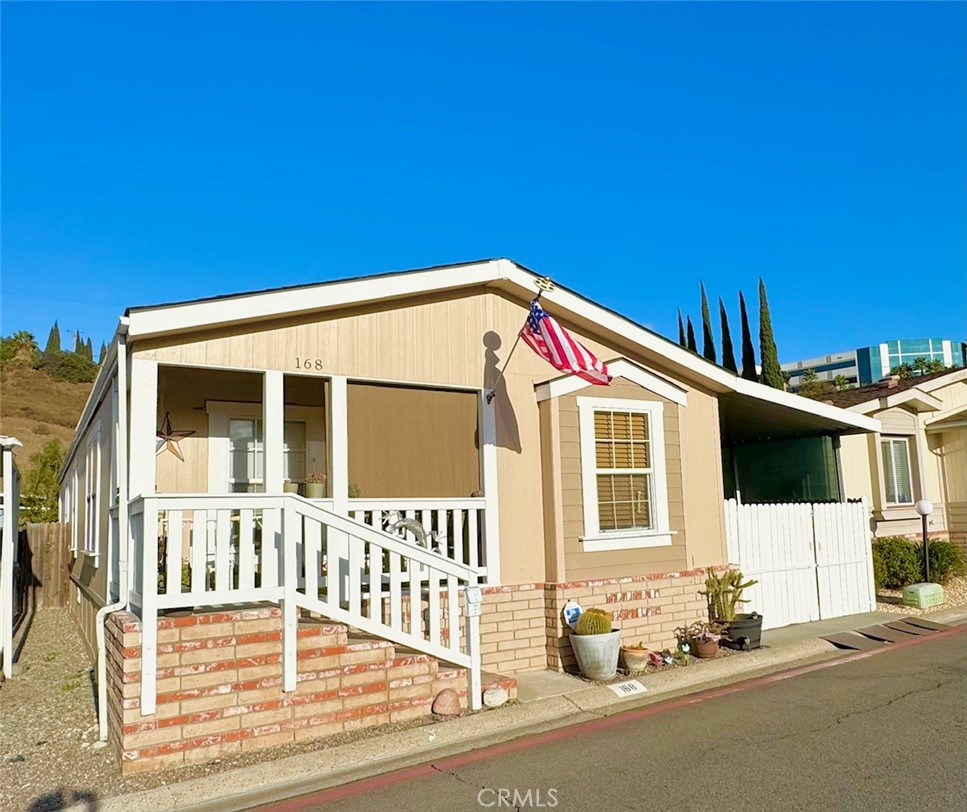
{"type": "Point", "coordinates": [171, 151]}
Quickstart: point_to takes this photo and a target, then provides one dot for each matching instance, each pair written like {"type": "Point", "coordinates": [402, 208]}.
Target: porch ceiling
{"type": "Point", "coordinates": [747, 419]}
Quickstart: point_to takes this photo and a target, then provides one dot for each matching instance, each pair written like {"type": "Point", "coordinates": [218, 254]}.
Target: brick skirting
{"type": "Point", "coordinates": [220, 686]}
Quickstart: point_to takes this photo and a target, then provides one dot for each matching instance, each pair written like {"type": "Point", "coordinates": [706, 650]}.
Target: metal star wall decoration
{"type": "Point", "coordinates": [168, 439]}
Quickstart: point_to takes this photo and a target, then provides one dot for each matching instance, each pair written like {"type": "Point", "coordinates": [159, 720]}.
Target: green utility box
{"type": "Point", "coordinates": [923, 596]}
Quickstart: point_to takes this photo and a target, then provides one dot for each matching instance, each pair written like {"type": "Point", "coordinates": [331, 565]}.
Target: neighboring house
{"type": "Point", "coordinates": [866, 365]}
{"type": "Point", "coordinates": [212, 421]}
{"type": "Point", "coordinates": [920, 453]}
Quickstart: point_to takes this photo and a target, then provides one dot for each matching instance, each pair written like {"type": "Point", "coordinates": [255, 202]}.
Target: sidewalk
{"type": "Point", "coordinates": [545, 701]}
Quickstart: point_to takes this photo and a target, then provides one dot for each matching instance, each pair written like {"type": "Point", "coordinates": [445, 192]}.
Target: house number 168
{"type": "Point", "coordinates": [308, 363]}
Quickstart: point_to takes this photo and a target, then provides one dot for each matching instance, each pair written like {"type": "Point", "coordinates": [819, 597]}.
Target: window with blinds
{"type": "Point", "coordinates": [623, 469]}
{"type": "Point", "coordinates": [895, 455]}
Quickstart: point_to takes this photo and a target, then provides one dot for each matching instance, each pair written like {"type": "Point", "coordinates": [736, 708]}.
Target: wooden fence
{"type": "Point", "coordinates": [47, 565]}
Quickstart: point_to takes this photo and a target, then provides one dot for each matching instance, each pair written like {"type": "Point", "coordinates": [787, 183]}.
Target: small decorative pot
{"type": "Point", "coordinates": [635, 659]}
{"type": "Point", "coordinates": [597, 654]}
{"type": "Point", "coordinates": [315, 490]}
{"type": "Point", "coordinates": [290, 487]}
{"type": "Point", "coordinates": [705, 649]}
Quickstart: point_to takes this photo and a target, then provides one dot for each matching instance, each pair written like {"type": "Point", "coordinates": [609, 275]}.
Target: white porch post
{"type": "Point", "coordinates": [487, 417]}
{"type": "Point", "coordinates": [338, 543]}
{"type": "Point", "coordinates": [144, 417]}
{"type": "Point", "coordinates": [272, 433]}
{"type": "Point", "coordinates": [339, 443]}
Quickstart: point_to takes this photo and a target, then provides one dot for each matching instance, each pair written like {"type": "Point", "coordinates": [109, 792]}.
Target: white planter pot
{"type": "Point", "coordinates": [597, 654]}
{"type": "Point", "coordinates": [290, 487]}
{"type": "Point", "coordinates": [315, 490]}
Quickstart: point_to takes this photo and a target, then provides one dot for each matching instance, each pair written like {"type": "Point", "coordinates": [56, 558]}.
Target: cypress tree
{"type": "Point", "coordinates": [771, 371]}
{"type": "Point", "coordinates": [690, 341]}
{"type": "Point", "coordinates": [681, 331]}
{"type": "Point", "coordinates": [53, 340]}
{"type": "Point", "coordinates": [728, 354]}
{"type": "Point", "coordinates": [89, 351]}
{"type": "Point", "coordinates": [708, 338]}
{"type": "Point", "coordinates": [102, 354]}
{"type": "Point", "coordinates": [748, 353]}
{"type": "Point", "coordinates": [78, 344]}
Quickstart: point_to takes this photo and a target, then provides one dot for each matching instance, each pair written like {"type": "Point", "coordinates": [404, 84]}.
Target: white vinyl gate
{"type": "Point", "coordinates": [813, 561]}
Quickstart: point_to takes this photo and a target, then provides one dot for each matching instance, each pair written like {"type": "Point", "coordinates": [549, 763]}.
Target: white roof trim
{"type": "Point", "coordinates": [272, 304]}
{"type": "Point", "coordinates": [944, 380]}
{"type": "Point", "coordinates": [939, 418]}
{"type": "Point", "coordinates": [174, 318]}
{"type": "Point", "coordinates": [886, 401]}
{"type": "Point", "coordinates": [621, 368]}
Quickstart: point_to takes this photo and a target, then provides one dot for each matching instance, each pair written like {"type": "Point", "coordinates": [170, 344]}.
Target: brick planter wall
{"type": "Point", "coordinates": [220, 686]}
{"type": "Point", "coordinates": [646, 608]}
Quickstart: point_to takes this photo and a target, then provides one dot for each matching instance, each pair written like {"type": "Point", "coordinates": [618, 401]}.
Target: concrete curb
{"type": "Point", "coordinates": [283, 778]}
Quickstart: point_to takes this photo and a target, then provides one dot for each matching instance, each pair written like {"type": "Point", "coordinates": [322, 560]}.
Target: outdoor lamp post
{"type": "Point", "coordinates": [925, 508]}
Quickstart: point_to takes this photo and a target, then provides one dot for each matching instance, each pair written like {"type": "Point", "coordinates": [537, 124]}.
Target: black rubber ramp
{"type": "Point", "coordinates": [854, 641]}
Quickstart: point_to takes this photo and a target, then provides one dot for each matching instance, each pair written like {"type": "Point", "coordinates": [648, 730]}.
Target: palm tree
{"type": "Point", "coordinates": [25, 345]}
{"type": "Point", "coordinates": [841, 382]}
{"type": "Point", "coordinates": [920, 365]}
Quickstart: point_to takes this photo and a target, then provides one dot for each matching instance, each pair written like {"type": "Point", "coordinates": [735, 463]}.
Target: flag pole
{"type": "Point", "coordinates": [544, 283]}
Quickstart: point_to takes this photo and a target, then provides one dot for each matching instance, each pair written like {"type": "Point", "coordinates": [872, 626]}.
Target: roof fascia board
{"type": "Point", "coordinates": [621, 368]}
{"type": "Point", "coordinates": [254, 307]}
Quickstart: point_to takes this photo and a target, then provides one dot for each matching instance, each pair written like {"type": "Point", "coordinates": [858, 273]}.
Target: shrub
{"type": "Point", "coordinates": [67, 366]}
{"type": "Point", "coordinates": [945, 560]}
{"type": "Point", "coordinates": [896, 560]}
{"type": "Point", "coordinates": [879, 571]}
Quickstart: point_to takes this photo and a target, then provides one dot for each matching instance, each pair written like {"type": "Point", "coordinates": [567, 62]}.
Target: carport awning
{"type": "Point", "coordinates": [762, 414]}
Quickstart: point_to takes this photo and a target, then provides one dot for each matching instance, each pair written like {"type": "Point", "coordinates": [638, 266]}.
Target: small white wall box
{"type": "Point", "coordinates": [923, 596]}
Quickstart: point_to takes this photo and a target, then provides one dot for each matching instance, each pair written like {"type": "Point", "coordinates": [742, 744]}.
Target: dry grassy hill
{"type": "Point", "coordinates": [36, 409]}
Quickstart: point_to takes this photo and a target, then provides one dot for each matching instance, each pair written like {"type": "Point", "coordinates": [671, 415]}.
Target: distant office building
{"type": "Point", "coordinates": [867, 365]}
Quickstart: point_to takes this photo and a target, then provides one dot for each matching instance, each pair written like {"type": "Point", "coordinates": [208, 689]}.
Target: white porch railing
{"type": "Point", "coordinates": [455, 527]}
{"type": "Point", "coordinates": [215, 549]}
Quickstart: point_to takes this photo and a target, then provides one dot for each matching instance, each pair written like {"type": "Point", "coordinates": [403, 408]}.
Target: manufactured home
{"type": "Point", "coordinates": [302, 510]}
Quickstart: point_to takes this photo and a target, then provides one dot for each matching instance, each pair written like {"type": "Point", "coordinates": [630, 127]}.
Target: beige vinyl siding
{"type": "Point", "coordinates": [463, 339]}
{"type": "Point", "coordinates": [581, 565]}
{"type": "Point", "coordinates": [897, 421]}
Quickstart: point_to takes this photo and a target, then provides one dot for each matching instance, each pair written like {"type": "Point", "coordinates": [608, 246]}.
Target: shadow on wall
{"type": "Point", "coordinates": [62, 799]}
{"type": "Point", "coordinates": [508, 433]}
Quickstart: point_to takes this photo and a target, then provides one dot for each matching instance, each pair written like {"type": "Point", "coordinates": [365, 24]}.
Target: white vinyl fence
{"type": "Point", "coordinates": [813, 561]}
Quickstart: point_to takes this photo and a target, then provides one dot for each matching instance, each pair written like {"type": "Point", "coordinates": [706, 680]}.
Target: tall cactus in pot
{"type": "Point", "coordinates": [724, 594]}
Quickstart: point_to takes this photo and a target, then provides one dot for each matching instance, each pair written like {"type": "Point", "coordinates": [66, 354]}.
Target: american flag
{"type": "Point", "coordinates": [553, 343]}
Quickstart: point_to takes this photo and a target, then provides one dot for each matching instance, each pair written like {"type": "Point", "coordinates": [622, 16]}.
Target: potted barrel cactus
{"type": "Point", "coordinates": [596, 645]}
{"type": "Point", "coordinates": [741, 631]}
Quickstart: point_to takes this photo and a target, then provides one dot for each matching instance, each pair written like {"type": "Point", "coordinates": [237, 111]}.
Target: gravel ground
{"type": "Point", "coordinates": [955, 594]}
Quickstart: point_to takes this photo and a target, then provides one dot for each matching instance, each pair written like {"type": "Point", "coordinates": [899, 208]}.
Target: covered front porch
{"type": "Point", "coordinates": [395, 456]}
{"type": "Point", "coordinates": [372, 503]}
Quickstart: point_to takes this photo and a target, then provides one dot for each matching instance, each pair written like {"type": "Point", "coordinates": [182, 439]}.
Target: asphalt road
{"type": "Point", "coordinates": [884, 733]}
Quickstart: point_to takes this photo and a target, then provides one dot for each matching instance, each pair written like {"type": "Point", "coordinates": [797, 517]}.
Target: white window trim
{"type": "Point", "coordinates": [219, 413]}
{"type": "Point", "coordinates": [595, 539]}
{"type": "Point", "coordinates": [886, 499]}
